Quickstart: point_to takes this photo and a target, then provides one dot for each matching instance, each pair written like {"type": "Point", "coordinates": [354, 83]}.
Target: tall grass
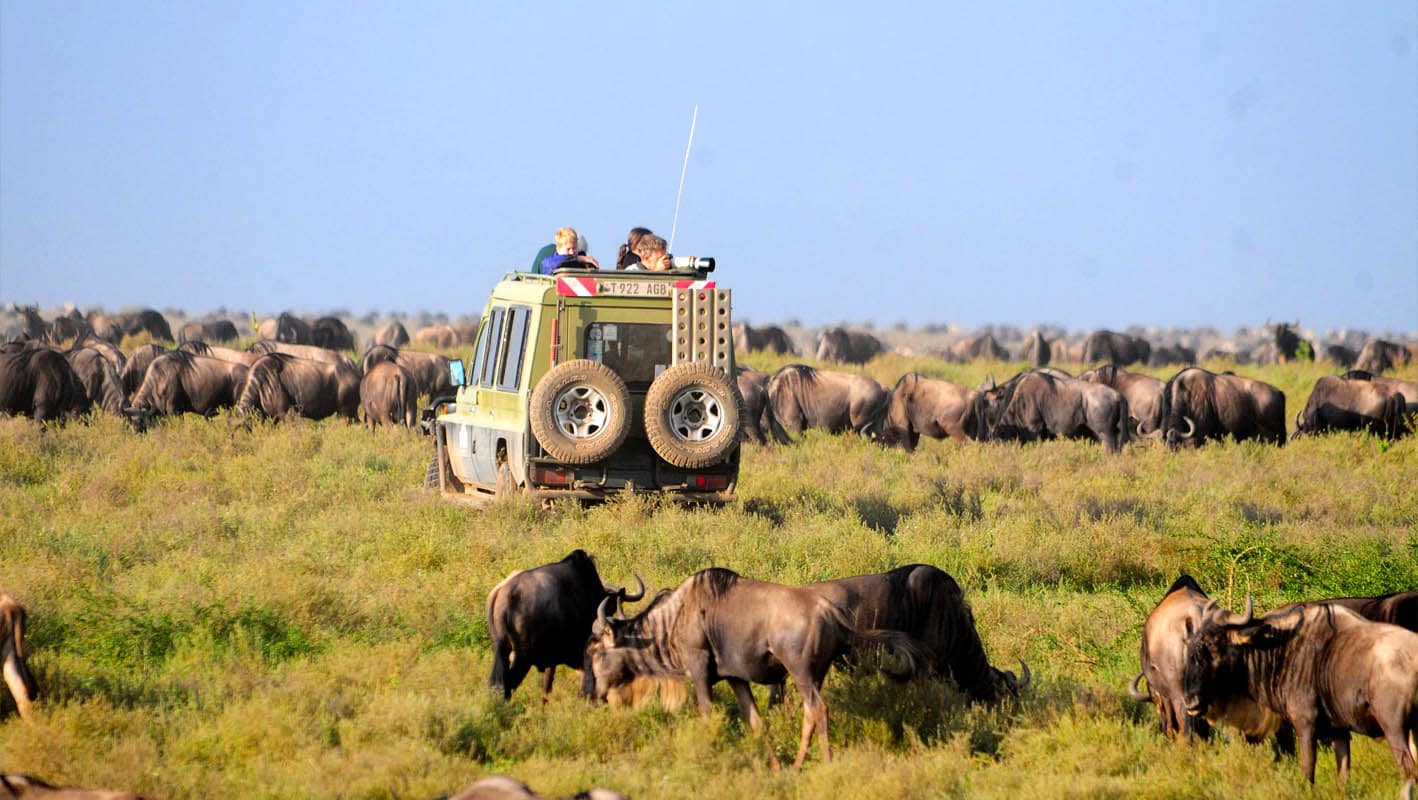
{"type": "Point", "coordinates": [282, 612]}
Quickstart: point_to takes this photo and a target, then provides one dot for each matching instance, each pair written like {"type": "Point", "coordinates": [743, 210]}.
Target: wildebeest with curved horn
{"type": "Point", "coordinates": [758, 412]}
{"type": "Point", "coordinates": [1199, 405]}
{"type": "Point", "coordinates": [100, 380]}
{"type": "Point", "coordinates": [718, 625]}
{"type": "Point", "coordinates": [1143, 393]}
{"type": "Point", "coordinates": [1115, 348]}
{"type": "Point", "coordinates": [805, 397]}
{"type": "Point", "coordinates": [179, 382]}
{"type": "Point", "coordinates": [39, 383]}
{"type": "Point", "coordinates": [541, 618]}
{"type": "Point", "coordinates": [925, 603]}
{"type": "Point", "coordinates": [12, 657]}
{"type": "Point", "coordinates": [1039, 404]}
{"type": "Point", "coordinates": [389, 396]}
{"type": "Point", "coordinates": [921, 406]}
{"type": "Point", "coordinates": [1341, 404]}
{"type": "Point", "coordinates": [280, 384]}
{"type": "Point", "coordinates": [430, 370]}
{"type": "Point", "coordinates": [841, 346]}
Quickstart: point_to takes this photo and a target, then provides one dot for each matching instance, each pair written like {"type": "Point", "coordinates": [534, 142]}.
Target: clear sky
{"type": "Point", "coordinates": [1089, 164]}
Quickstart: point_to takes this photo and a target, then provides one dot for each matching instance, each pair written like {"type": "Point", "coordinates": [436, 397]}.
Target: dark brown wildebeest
{"type": "Point", "coordinates": [1398, 608]}
{"type": "Point", "coordinates": [331, 334]}
{"type": "Point", "coordinates": [136, 367]}
{"type": "Point", "coordinates": [1288, 344]}
{"type": "Point", "coordinates": [1143, 393]}
{"type": "Point", "coordinates": [769, 338]}
{"type": "Point", "coordinates": [841, 346]}
{"type": "Point", "coordinates": [1324, 668]}
{"type": "Point", "coordinates": [1379, 355]}
{"type": "Point", "coordinates": [803, 397]}
{"type": "Point", "coordinates": [34, 326]}
{"type": "Point", "coordinates": [28, 787]}
{"type": "Point", "coordinates": [921, 406]}
{"type": "Point", "coordinates": [391, 333]}
{"type": "Point", "coordinates": [983, 347]}
{"type": "Point", "coordinates": [39, 383]}
{"type": "Point", "coordinates": [306, 351]}
{"type": "Point", "coordinates": [1115, 348]}
{"type": "Point", "coordinates": [68, 328]}
{"type": "Point", "coordinates": [718, 626]}
{"type": "Point", "coordinates": [146, 321]}
{"type": "Point", "coordinates": [389, 396]}
{"type": "Point", "coordinates": [280, 384]}
{"type": "Point", "coordinates": [1036, 350]}
{"type": "Point", "coordinates": [107, 349]}
{"type": "Point", "coordinates": [1039, 404]}
{"type": "Point", "coordinates": [1340, 404]}
{"type": "Point", "coordinates": [442, 337]}
{"type": "Point", "coordinates": [1339, 354]}
{"type": "Point", "coordinates": [219, 330]}
{"type": "Point", "coordinates": [105, 327]}
{"type": "Point", "coordinates": [287, 329]}
{"type": "Point", "coordinates": [1409, 389]}
{"type": "Point", "coordinates": [498, 787]}
{"type": "Point", "coordinates": [1164, 355]}
{"type": "Point", "coordinates": [179, 382]}
{"type": "Point", "coordinates": [100, 380]}
{"type": "Point", "coordinates": [12, 657]}
{"type": "Point", "coordinates": [541, 618]}
{"type": "Point", "coordinates": [430, 370]}
{"type": "Point", "coordinates": [198, 348]}
{"type": "Point", "coordinates": [757, 420]}
{"type": "Point", "coordinates": [925, 603]}
{"type": "Point", "coordinates": [1198, 406]}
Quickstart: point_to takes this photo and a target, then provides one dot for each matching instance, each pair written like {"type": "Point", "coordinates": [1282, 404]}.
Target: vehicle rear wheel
{"type": "Point", "coordinates": [580, 412]}
{"type": "Point", "coordinates": [430, 478]}
{"type": "Point", "coordinates": [693, 415]}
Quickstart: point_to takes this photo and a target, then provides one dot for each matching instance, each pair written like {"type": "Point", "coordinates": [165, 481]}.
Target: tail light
{"type": "Point", "coordinates": [711, 483]}
{"type": "Point", "coordinates": [553, 476]}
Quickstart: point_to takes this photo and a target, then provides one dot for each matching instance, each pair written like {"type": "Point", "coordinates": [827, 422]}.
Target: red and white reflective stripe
{"type": "Point", "coordinates": [695, 285]}
{"type": "Point", "coordinates": [576, 287]}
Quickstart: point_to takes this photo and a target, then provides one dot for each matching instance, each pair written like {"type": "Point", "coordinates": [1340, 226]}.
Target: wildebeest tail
{"type": "Point", "coordinates": [915, 656]}
{"type": "Point", "coordinates": [1124, 414]}
{"type": "Point", "coordinates": [497, 631]}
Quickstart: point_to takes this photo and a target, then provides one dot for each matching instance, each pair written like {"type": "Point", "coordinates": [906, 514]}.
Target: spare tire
{"type": "Point", "coordinates": [580, 412]}
{"type": "Point", "coordinates": [693, 415]}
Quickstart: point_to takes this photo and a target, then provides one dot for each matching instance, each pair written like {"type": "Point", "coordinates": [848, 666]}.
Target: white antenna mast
{"type": "Point", "coordinates": [675, 225]}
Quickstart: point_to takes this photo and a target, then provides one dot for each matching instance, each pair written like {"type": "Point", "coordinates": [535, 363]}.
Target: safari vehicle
{"type": "Point", "coordinates": [586, 383]}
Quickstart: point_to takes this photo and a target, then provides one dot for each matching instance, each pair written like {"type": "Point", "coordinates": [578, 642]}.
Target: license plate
{"type": "Point", "coordinates": [623, 288]}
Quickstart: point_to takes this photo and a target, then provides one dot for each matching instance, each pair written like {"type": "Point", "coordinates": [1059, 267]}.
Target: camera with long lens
{"type": "Point", "coordinates": [696, 263]}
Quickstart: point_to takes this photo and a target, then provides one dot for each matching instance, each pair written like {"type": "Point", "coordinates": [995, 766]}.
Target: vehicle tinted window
{"type": "Point", "coordinates": [488, 356]}
{"type": "Point", "coordinates": [480, 350]}
{"type": "Point", "coordinates": [511, 371]}
{"type": "Point", "coordinates": [633, 351]}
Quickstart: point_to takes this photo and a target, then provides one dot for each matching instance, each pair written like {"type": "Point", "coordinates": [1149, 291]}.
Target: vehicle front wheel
{"type": "Point", "coordinates": [580, 412]}
{"type": "Point", "coordinates": [693, 415]}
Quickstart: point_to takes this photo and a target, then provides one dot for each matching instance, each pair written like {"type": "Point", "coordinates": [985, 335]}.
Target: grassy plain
{"type": "Point", "coordinates": [282, 612]}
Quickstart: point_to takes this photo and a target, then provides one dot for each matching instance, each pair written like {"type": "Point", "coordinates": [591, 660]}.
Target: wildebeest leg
{"type": "Point", "coordinates": [547, 675]}
{"type": "Point", "coordinates": [698, 669]}
{"type": "Point", "coordinates": [1305, 741]}
{"type": "Point", "coordinates": [1341, 759]}
{"type": "Point", "coordinates": [814, 718]}
{"type": "Point", "coordinates": [1404, 745]}
{"type": "Point", "coordinates": [515, 675]}
{"type": "Point", "coordinates": [776, 693]}
{"type": "Point", "coordinates": [15, 674]}
{"type": "Point", "coordinates": [744, 693]}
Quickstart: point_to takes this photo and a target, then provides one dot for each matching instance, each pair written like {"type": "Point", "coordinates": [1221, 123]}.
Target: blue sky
{"type": "Point", "coordinates": [1089, 164]}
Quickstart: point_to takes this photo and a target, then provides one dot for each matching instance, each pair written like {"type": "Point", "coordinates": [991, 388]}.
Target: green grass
{"type": "Point", "coordinates": [281, 612]}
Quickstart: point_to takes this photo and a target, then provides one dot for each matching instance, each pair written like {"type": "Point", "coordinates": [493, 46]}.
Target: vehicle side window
{"type": "Point", "coordinates": [511, 372]}
{"type": "Point", "coordinates": [488, 355]}
{"type": "Point", "coordinates": [480, 350]}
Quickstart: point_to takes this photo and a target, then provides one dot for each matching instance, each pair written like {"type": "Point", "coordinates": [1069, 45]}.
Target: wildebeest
{"type": "Point", "coordinates": [1398, 608]}
{"type": "Point", "coordinates": [100, 380]}
{"type": "Point", "coordinates": [1164, 355]}
{"type": "Point", "coordinates": [1198, 405]}
{"type": "Point", "coordinates": [841, 346]}
{"type": "Point", "coordinates": [146, 321]}
{"type": "Point", "coordinates": [498, 787]}
{"type": "Point", "coordinates": [306, 351]}
{"type": "Point", "coordinates": [542, 618]}
{"type": "Point", "coordinates": [1339, 354]}
{"type": "Point", "coordinates": [921, 406]}
{"type": "Point", "coordinates": [1037, 404]}
{"type": "Point", "coordinates": [1036, 350]}
{"type": "Point", "coordinates": [718, 626]}
{"type": "Point", "coordinates": [391, 333]}
{"type": "Point", "coordinates": [753, 387]}
{"type": "Point", "coordinates": [12, 657]}
{"type": "Point", "coordinates": [105, 327]}
{"type": "Point", "coordinates": [1409, 389]}
{"type": "Point", "coordinates": [982, 347]}
{"type": "Point", "coordinates": [1289, 346]}
{"type": "Point", "coordinates": [280, 384]}
{"type": "Point", "coordinates": [179, 382]}
{"type": "Point", "coordinates": [803, 397]}
{"type": "Point", "coordinates": [1115, 348]}
{"type": "Point", "coordinates": [107, 349]}
{"type": "Point", "coordinates": [1379, 356]}
{"type": "Point", "coordinates": [770, 338]}
{"type": "Point", "coordinates": [199, 348]}
{"type": "Point", "coordinates": [40, 384]}
{"type": "Point", "coordinates": [287, 329]}
{"type": "Point", "coordinates": [925, 603]}
{"type": "Point", "coordinates": [1341, 404]}
{"type": "Point", "coordinates": [389, 396]}
{"type": "Point", "coordinates": [28, 787]}
{"type": "Point", "coordinates": [1326, 669]}
{"type": "Point", "coordinates": [430, 370]}
{"type": "Point", "coordinates": [1143, 393]}
{"type": "Point", "coordinates": [136, 367]}
{"type": "Point", "coordinates": [217, 330]}
{"type": "Point", "coordinates": [331, 334]}
{"type": "Point", "coordinates": [67, 327]}
{"type": "Point", "coordinates": [440, 336]}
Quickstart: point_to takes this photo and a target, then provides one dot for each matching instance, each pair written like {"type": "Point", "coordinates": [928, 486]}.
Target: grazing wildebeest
{"type": "Point", "coordinates": [921, 406]}
{"type": "Point", "coordinates": [803, 397]}
{"type": "Point", "coordinates": [1337, 403]}
{"type": "Point", "coordinates": [841, 346]}
{"type": "Point", "coordinates": [770, 338]}
{"type": "Point", "coordinates": [306, 351]}
{"type": "Point", "coordinates": [1164, 355]}
{"type": "Point", "coordinates": [287, 329]}
{"type": "Point", "coordinates": [100, 380]}
{"type": "Point", "coordinates": [718, 626]}
{"type": "Point", "coordinates": [1409, 389]}
{"type": "Point", "coordinates": [1339, 354]}
{"type": "Point", "coordinates": [542, 618]}
{"type": "Point", "coordinates": [1038, 404]}
{"type": "Point", "coordinates": [1288, 344]}
{"type": "Point", "coordinates": [498, 787]}
{"type": "Point", "coordinates": [279, 384]}
{"type": "Point", "coordinates": [1379, 355]}
{"type": "Point", "coordinates": [1143, 393]}
{"type": "Point", "coordinates": [218, 330]}
{"type": "Point", "coordinates": [1036, 350]}
{"type": "Point", "coordinates": [982, 347]}
{"type": "Point", "coordinates": [1326, 669]}
{"type": "Point", "coordinates": [440, 336]}
{"type": "Point", "coordinates": [199, 348]}
{"type": "Point", "coordinates": [925, 603]}
{"type": "Point", "coordinates": [107, 349]}
{"type": "Point", "coordinates": [136, 367]}
{"type": "Point", "coordinates": [179, 382]}
{"type": "Point", "coordinates": [753, 387]}
{"type": "Point", "coordinates": [40, 384]}
{"type": "Point", "coordinates": [146, 321]}
{"type": "Point", "coordinates": [1198, 405]}
{"type": "Point", "coordinates": [12, 657]}
{"type": "Point", "coordinates": [331, 333]}
{"type": "Point", "coordinates": [393, 334]}
{"type": "Point", "coordinates": [1115, 348]}
{"type": "Point", "coordinates": [389, 396]}
{"type": "Point", "coordinates": [105, 327]}
{"type": "Point", "coordinates": [66, 327]}
{"type": "Point", "coordinates": [430, 370]}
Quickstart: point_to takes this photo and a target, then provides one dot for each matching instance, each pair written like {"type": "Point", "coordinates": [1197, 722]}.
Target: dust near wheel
{"type": "Point", "coordinates": [693, 415]}
{"type": "Point", "coordinates": [580, 412]}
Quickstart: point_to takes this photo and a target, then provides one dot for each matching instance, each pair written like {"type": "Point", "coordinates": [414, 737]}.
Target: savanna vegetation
{"type": "Point", "coordinates": [281, 611]}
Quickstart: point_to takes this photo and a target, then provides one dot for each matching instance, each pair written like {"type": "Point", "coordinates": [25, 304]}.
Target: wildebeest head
{"type": "Point", "coordinates": [610, 656]}
{"type": "Point", "coordinates": [1216, 666]}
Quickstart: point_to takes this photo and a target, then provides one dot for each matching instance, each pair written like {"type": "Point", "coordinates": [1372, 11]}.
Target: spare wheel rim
{"type": "Point", "coordinates": [696, 415]}
{"type": "Point", "coordinates": [581, 412]}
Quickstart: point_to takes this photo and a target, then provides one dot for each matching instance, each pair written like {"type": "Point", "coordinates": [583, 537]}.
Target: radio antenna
{"type": "Point", "coordinates": [675, 225]}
